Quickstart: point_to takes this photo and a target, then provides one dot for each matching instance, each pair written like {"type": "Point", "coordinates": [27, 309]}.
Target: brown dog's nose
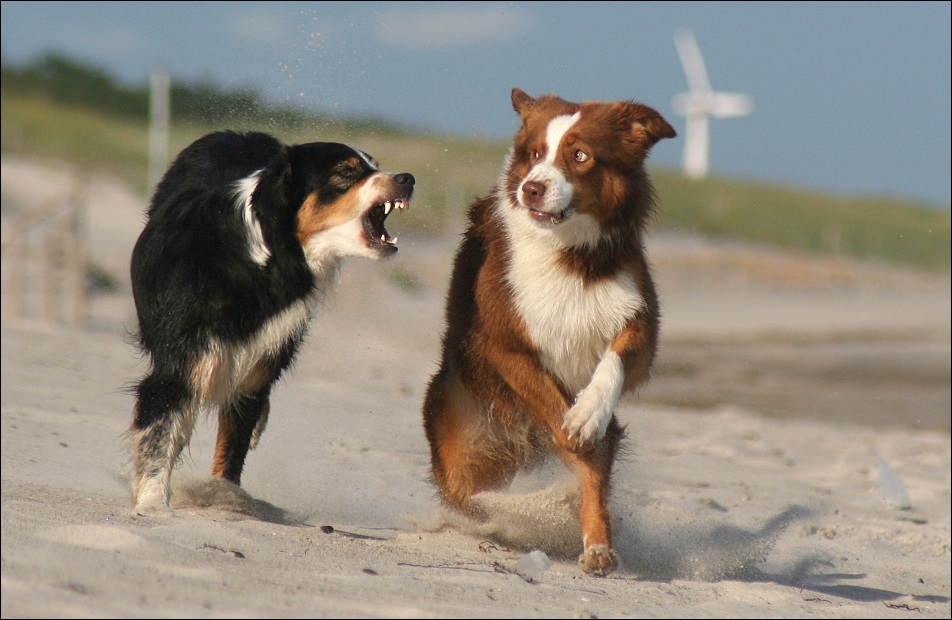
{"type": "Point", "coordinates": [534, 191]}
{"type": "Point", "coordinates": [404, 178]}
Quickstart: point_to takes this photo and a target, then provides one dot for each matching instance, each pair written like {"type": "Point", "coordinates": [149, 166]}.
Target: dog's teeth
{"type": "Point", "coordinates": [387, 207]}
{"type": "Point", "coordinates": [383, 238]}
{"type": "Point", "coordinates": [394, 240]}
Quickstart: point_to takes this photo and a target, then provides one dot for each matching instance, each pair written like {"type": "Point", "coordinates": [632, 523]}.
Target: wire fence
{"type": "Point", "coordinates": [44, 261]}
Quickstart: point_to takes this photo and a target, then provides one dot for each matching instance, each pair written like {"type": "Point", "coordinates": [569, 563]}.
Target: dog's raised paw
{"type": "Point", "coordinates": [598, 560]}
{"type": "Point", "coordinates": [587, 420]}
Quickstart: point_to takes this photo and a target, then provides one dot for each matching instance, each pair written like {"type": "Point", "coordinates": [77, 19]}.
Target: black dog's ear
{"type": "Point", "coordinates": [276, 185]}
{"type": "Point", "coordinates": [521, 101]}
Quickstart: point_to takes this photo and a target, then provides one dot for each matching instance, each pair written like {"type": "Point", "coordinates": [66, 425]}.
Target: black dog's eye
{"type": "Point", "coordinates": [349, 173]}
{"type": "Point", "coordinates": [345, 176]}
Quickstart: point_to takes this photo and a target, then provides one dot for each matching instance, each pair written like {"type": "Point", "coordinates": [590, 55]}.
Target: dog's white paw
{"type": "Point", "coordinates": [152, 497]}
{"type": "Point", "coordinates": [588, 418]}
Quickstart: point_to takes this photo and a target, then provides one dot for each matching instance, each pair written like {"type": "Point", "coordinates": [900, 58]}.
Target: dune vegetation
{"type": "Point", "coordinates": [58, 109]}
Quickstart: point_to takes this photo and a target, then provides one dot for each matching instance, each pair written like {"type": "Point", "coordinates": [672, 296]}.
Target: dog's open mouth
{"type": "Point", "coordinates": [552, 219]}
{"type": "Point", "coordinates": [375, 218]}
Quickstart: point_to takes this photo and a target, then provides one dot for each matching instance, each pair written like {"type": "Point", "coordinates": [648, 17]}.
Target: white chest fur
{"type": "Point", "coordinates": [222, 372]}
{"type": "Point", "coordinates": [571, 321]}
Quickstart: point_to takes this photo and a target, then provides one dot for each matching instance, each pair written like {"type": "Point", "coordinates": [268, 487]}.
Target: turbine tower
{"type": "Point", "coordinates": [701, 104]}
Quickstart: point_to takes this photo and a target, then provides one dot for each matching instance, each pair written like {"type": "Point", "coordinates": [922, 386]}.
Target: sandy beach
{"type": "Point", "coordinates": [790, 458]}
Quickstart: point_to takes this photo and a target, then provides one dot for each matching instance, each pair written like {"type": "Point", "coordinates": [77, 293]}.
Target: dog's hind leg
{"type": "Point", "coordinates": [259, 427]}
{"type": "Point", "coordinates": [162, 425]}
{"type": "Point", "coordinates": [240, 424]}
{"type": "Point", "coordinates": [468, 454]}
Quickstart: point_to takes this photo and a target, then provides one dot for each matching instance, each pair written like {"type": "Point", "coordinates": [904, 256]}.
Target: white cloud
{"type": "Point", "coordinates": [450, 27]}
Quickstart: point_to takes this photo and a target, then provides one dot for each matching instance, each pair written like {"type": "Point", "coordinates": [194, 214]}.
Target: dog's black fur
{"type": "Point", "coordinates": [244, 234]}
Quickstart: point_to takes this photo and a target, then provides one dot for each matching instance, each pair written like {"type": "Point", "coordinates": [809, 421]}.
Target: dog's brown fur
{"type": "Point", "coordinates": [551, 312]}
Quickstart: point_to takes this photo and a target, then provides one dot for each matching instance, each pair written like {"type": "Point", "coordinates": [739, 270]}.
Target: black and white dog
{"type": "Point", "coordinates": [244, 236]}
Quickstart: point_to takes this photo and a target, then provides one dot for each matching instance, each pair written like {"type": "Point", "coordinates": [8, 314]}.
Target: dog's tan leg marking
{"type": "Point", "coordinates": [259, 428]}
{"type": "Point", "coordinates": [223, 446]}
{"type": "Point", "coordinates": [237, 424]}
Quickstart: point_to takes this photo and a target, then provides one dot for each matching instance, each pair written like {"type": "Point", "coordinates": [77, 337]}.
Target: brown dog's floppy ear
{"type": "Point", "coordinates": [651, 124]}
{"type": "Point", "coordinates": [520, 101]}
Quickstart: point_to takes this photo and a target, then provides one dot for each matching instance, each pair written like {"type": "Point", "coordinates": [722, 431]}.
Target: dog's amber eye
{"type": "Point", "coordinates": [581, 156]}
{"type": "Point", "coordinates": [536, 155]}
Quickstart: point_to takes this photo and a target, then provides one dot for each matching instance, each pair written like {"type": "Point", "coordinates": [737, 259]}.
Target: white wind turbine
{"type": "Point", "coordinates": [701, 104]}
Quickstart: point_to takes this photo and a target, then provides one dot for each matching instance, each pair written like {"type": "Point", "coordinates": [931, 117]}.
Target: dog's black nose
{"type": "Point", "coordinates": [404, 178]}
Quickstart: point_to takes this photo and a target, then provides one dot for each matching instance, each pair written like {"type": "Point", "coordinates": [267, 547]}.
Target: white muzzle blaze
{"type": "Point", "coordinates": [567, 228]}
{"type": "Point", "coordinates": [559, 191]}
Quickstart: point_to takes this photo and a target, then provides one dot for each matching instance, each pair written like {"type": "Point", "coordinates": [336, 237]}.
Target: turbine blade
{"type": "Point", "coordinates": [726, 105]}
{"type": "Point", "coordinates": [692, 61]}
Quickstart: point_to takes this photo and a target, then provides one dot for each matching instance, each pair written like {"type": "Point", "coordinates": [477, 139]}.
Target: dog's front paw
{"type": "Point", "coordinates": [588, 418]}
{"type": "Point", "coordinates": [598, 560]}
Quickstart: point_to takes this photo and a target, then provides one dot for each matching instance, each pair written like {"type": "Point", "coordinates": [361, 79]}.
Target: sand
{"type": "Point", "coordinates": [791, 457]}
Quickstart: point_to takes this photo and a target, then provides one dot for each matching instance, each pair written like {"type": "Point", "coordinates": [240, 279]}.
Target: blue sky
{"type": "Point", "coordinates": [849, 98]}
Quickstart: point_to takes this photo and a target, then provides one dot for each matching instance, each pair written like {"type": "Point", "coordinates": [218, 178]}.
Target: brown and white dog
{"type": "Point", "coordinates": [244, 237]}
{"type": "Point", "coordinates": [551, 312]}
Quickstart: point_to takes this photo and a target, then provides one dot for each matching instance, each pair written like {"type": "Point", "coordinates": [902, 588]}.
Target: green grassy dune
{"type": "Point", "coordinates": [450, 171]}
